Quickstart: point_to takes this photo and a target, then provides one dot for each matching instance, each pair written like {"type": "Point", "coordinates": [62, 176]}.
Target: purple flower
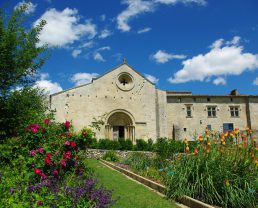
{"type": "Point", "coordinates": [40, 203]}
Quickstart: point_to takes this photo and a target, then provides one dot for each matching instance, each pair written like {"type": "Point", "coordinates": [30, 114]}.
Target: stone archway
{"type": "Point", "coordinates": [119, 125]}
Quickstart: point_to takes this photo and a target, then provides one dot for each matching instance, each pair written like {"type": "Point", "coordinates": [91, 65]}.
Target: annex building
{"type": "Point", "coordinates": [134, 108]}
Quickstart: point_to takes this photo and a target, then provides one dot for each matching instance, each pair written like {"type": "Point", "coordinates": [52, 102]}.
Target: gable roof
{"type": "Point", "coordinates": [124, 63]}
{"type": "Point", "coordinates": [93, 79]}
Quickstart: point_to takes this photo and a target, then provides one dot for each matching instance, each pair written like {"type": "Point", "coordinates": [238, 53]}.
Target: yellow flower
{"type": "Point", "coordinates": [200, 138]}
{"type": "Point", "coordinates": [185, 141]}
{"type": "Point", "coordinates": [227, 183]}
{"type": "Point", "coordinates": [224, 143]}
{"type": "Point", "coordinates": [255, 139]}
{"type": "Point", "coordinates": [187, 149]}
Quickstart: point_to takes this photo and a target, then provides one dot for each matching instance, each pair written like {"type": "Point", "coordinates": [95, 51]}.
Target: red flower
{"type": "Point", "coordinates": [46, 121]}
{"type": "Point", "coordinates": [73, 144]}
{"type": "Point", "coordinates": [67, 155]}
{"type": "Point", "coordinates": [49, 155]}
{"type": "Point", "coordinates": [67, 124]}
{"type": "Point", "coordinates": [63, 163]}
{"type": "Point", "coordinates": [37, 171]}
{"type": "Point", "coordinates": [48, 161]}
{"type": "Point", "coordinates": [70, 134]}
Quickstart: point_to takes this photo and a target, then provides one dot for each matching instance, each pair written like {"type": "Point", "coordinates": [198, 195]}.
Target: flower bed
{"type": "Point", "coordinates": [47, 170]}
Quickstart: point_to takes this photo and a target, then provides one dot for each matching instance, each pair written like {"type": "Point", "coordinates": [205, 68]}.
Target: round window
{"type": "Point", "coordinates": [125, 81]}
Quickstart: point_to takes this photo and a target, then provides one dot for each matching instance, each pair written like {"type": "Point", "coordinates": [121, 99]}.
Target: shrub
{"type": "Point", "coordinates": [167, 148]}
{"type": "Point", "coordinates": [110, 156]}
{"type": "Point", "coordinates": [141, 145]}
{"type": "Point", "coordinates": [84, 139]}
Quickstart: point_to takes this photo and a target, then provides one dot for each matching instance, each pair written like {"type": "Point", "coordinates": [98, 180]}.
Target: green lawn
{"type": "Point", "coordinates": [129, 193]}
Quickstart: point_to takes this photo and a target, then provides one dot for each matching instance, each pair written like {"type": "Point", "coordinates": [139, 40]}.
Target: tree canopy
{"type": "Point", "coordinates": [20, 58]}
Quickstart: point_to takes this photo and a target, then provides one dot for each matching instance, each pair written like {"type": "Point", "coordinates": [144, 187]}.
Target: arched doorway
{"type": "Point", "coordinates": [120, 125]}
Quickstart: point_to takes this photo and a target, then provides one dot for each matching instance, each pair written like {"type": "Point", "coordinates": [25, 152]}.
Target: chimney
{"type": "Point", "coordinates": [234, 92]}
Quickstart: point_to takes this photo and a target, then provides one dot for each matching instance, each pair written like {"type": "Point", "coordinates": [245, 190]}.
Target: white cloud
{"type": "Point", "coordinates": [104, 34]}
{"type": "Point", "coordinates": [168, 2]}
{"type": "Point", "coordinates": [63, 27]}
{"type": "Point", "coordinates": [30, 6]}
{"type": "Point", "coordinates": [47, 85]}
{"type": "Point", "coordinates": [219, 81]}
{"type": "Point", "coordinates": [98, 56]}
{"type": "Point", "coordinates": [256, 81]}
{"type": "Point", "coordinates": [138, 7]}
{"type": "Point", "coordinates": [162, 56]}
{"type": "Point", "coordinates": [224, 58]}
{"type": "Point", "coordinates": [151, 78]}
{"type": "Point", "coordinates": [144, 30]}
{"type": "Point", "coordinates": [76, 53]}
{"type": "Point", "coordinates": [83, 78]}
{"type": "Point", "coordinates": [88, 44]}
{"type": "Point", "coordinates": [135, 8]}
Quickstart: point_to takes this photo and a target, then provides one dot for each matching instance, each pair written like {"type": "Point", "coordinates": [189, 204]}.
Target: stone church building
{"type": "Point", "coordinates": [134, 108]}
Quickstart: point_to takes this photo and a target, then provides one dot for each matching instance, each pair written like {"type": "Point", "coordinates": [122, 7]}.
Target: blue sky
{"type": "Point", "coordinates": [203, 46]}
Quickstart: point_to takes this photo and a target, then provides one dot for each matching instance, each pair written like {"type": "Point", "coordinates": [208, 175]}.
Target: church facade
{"type": "Point", "coordinates": [134, 108]}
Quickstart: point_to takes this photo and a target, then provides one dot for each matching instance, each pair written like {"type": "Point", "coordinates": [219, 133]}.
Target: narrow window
{"type": "Point", "coordinates": [208, 99]}
{"type": "Point", "coordinates": [234, 111]}
{"type": "Point", "coordinates": [209, 127]}
{"type": "Point", "coordinates": [189, 111]}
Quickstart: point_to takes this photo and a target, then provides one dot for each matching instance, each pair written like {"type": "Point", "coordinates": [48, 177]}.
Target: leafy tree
{"type": "Point", "coordinates": [20, 58]}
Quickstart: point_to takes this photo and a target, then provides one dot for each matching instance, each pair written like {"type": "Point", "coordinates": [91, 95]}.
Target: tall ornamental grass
{"type": "Point", "coordinates": [222, 170]}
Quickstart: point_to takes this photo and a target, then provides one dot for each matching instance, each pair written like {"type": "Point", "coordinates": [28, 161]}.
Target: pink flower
{"type": "Point", "coordinates": [67, 124]}
{"type": "Point", "coordinates": [33, 152]}
{"type": "Point", "coordinates": [46, 121]}
{"type": "Point", "coordinates": [37, 171]}
{"type": "Point", "coordinates": [56, 152]}
{"type": "Point", "coordinates": [40, 150]}
{"type": "Point", "coordinates": [34, 130]}
{"type": "Point", "coordinates": [63, 163]}
{"type": "Point", "coordinates": [55, 173]}
{"type": "Point", "coordinates": [73, 144]}
{"type": "Point", "coordinates": [67, 142]}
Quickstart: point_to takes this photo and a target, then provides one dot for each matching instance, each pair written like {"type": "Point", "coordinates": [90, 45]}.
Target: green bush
{"type": "Point", "coordinates": [166, 148]}
{"type": "Point", "coordinates": [110, 156]}
{"type": "Point", "coordinates": [141, 145]}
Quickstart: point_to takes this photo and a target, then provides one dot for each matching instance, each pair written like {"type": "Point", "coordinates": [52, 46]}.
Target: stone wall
{"type": "Point", "coordinates": [98, 153]}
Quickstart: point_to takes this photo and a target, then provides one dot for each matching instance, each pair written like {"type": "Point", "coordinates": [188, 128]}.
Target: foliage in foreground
{"type": "Point", "coordinates": [221, 171]}
{"type": "Point", "coordinates": [20, 58]}
{"type": "Point", "coordinates": [43, 168]}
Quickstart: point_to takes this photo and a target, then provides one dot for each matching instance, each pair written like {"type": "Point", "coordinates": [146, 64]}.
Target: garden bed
{"type": "Point", "coordinates": [186, 200]}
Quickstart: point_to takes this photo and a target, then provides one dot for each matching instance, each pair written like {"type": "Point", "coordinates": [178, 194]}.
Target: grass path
{"type": "Point", "coordinates": [129, 193]}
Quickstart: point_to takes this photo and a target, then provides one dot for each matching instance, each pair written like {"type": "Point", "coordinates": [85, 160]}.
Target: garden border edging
{"type": "Point", "coordinates": [186, 200]}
